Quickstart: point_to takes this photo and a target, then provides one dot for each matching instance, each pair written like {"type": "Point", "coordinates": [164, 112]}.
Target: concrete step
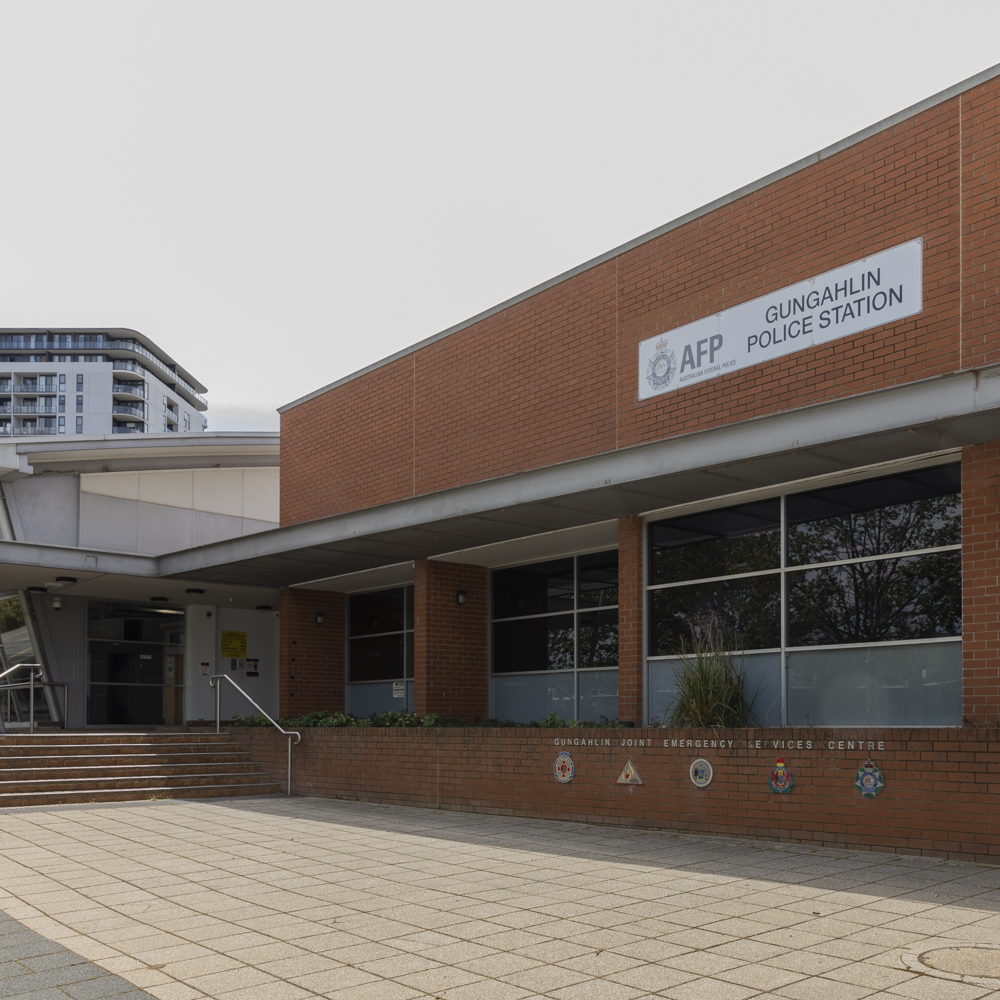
{"type": "Point", "coordinates": [46, 798]}
{"type": "Point", "coordinates": [16, 763]}
{"type": "Point", "coordinates": [117, 770]}
{"type": "Point", "coordinates": [99, 782]}
{"type": "Point", "coordinates": [112, 750]}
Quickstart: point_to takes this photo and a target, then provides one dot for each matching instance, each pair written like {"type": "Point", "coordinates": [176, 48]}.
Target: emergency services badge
{"type": "Point", "coordinates": [701, 773]}
{"type": "Point", "coordinates": [869, 781]}
{"type": "Point", "coordinates": [661, 366]}
{"type": "Point", "coordinates": [781, 779]}
{"type": "Point", "coordinates": [564, 767]}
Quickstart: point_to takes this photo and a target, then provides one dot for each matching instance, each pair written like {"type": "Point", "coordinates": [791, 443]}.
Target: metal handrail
{"type": "Point", "coordinates": [218, 718]}
{"type": "Point", "coordinates": [30, 686]}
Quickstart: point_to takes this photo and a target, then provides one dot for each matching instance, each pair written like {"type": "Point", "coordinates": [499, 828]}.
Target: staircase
{"type": "Point", "coordinates": [48, 769]}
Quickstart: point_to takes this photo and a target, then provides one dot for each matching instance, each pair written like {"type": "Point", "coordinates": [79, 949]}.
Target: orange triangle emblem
{"type": "Point", "coordinates": [629, 775]}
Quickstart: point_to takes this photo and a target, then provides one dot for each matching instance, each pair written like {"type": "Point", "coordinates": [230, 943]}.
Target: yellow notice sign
{"type": "Point", "coordinates": [234, 645]}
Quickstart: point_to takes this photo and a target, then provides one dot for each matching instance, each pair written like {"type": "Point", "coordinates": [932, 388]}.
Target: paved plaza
{"type": "Point", "coordinates": [276, 898]}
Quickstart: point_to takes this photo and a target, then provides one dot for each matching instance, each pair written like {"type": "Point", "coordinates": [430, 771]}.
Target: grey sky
{"type": "Point", "coordinates": [282, 192]}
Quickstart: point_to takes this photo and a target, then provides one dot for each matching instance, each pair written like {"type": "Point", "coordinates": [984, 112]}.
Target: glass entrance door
{"type": "Point", "coordinates": [135, 664]}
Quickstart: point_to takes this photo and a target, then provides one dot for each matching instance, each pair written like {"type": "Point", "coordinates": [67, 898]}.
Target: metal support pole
{"type": "Point", "coordinates": [289, 785]}
{"type": "Point", "coordinates": [65, 706]}
{"type": "Point", "coordinates": [218, 707]}
{"type": "Point", "coordinates": [31, 703]}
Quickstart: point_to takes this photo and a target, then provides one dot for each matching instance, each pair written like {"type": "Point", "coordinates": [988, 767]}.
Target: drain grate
{"type": "Point", "coordinates": [969, 961]}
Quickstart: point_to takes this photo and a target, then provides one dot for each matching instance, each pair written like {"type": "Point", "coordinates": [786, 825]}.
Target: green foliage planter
{"type": "Point", "coordinates": [406, 720]}
{"type": "Point", "coordinates": [712, 684]}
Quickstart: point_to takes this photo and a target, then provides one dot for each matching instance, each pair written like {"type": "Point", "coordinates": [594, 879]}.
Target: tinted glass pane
{"type": "Point", "coordinates": [910, 685]}
{"type": "Point", "coordinates": [523, 699]}
{"type": "Point", "coordinates": [111, 705]}
{"type": "Point", "coordinates": [763, 688]}
{"type": "Point", "coordinates": [409, 607]}
{"type": "Point", "coordinates": [409, 653]}
{"type": "Point", "coordinates": [598, 579]}
{"type": "Point", "coordinates": [376, 658]}
{"type": "Point", "coordinates": [916, 510]}
{"type": "Point", "coordinates": [748, 608]}
{"type": "Point", "coordinates": [717, 542]}
{"type": "Point", "coordinates": [598, 646]}
{"type": "Point", "coordinates": [134, 622]}
{"type": "Point", "coordinates": [533, 644]}
{"type": "Point", "coordinates": [598, 695]}
{"type": "Point", "coordinates": [378, 612]}
{"type": "Point", "coordinates": [533, 590]}
{"type": "Point", "coordinates": [125, 663]}
{"type": "Point", "coordinates": [917, 597]}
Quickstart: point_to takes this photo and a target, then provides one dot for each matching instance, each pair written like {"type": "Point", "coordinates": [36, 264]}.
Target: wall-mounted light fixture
{"type": "Point", "coordinates": [263, 607]}
{"type": "Point", "coordinates": [65, 579]}
{"type": "Point", "coordinates": [56, 603]}
{"type": "Point", "coordinates": [37, 590]}
{"type": "Point", "coordinates": [461, 597]}
{"type": "Point", "coordinates": [320, 618]}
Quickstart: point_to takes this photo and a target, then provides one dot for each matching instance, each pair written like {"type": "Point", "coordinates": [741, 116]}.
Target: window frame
{"type": "Point", "coordinates": [783, 492]}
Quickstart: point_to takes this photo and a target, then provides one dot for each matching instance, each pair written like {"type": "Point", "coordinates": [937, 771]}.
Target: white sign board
{"type": "Point", "coordinates": [879, 289]}
{"type": "Point", "coordinates": [399, 689]}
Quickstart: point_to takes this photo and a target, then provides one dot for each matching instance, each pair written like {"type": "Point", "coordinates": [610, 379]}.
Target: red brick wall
{"type": "Point", "coordinates": [311, 655]}
{"type": "Point", "coordinates": [940, 798]}
{"type": "Point", "coordinates": [450, 672]}
{"type": "Point", "coordinates": [630, 602]}
{"type": "Point", "coordinates": [981, 582]}
{"type": "Point", "coordinates": [553, 378]}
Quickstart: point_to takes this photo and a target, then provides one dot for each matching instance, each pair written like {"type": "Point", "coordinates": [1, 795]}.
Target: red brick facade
{"type": "Point", "coordinates": [311, 653]}
{"type": "Point", "coordinates": [553, 377]}
{"type": "Point", "coordinates": [981, 582]}
{"type": "Point", "coordinates": [940, 797]}
{"type": "Point", "coordinates": [630, 616]}
{"type": "Point", "coordinates": [450, 648]}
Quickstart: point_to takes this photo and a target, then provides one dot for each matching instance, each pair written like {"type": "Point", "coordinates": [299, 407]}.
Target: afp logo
{"type": "Point", "coordinates": [662, 366]}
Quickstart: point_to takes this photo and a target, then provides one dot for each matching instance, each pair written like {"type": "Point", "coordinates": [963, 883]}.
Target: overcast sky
{"type": "Point", "coordinates": [280, 193]}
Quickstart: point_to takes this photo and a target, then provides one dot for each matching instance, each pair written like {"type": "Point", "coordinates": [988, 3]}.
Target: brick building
{"type": "Point", "coordinates": [777, 416]}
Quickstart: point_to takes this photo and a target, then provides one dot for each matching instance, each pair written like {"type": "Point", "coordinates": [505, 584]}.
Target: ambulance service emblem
{"type": "Point", "coordinates": [564, 768]}
{"type": "Point", "coordinates": [701, 773]}
{"type": "Point", "coordinates": [661, 367]}
{"type": "Point", "coordinates": [869, 781]}
{"type": "Point", "coordinates": [781, 778]}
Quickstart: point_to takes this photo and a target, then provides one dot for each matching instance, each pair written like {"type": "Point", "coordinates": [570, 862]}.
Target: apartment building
{"type": "Point", "coordinates": [111, 381]}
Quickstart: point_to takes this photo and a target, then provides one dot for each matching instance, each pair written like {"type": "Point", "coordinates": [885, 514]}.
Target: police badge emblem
{"type": "Point", "coordinates": [781, 778]}
{"type": "Point", "coordinates": [701, 773]}
{"type": "Point", "coordinates": [564, 767]}
{"type": "Point", "coordinates": [661, 366]}
{"type": "Point", "coordinates": [869, 781]}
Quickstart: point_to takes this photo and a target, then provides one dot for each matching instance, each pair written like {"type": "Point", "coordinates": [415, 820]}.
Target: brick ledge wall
{"type": "Point", "coordinates": [941, 795]}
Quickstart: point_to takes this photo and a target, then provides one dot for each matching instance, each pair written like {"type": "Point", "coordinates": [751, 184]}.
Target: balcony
{"type": "Point", "coordinates": [133, 411]}
{"type": "Point", "coordinates": [128, 366]}
{"type": "Point", "coordinates": [130, 389]}
{"type": "Point", "coordinates": [26, 388]}
{"type": "Point", "coordinates": [30, 408]}
{"type": "Point", "coordinates": [126, 429]}
{"type": "Point", "coordinates": [34, 430]}
{"type": "Point", "coordinates": [172, 376]}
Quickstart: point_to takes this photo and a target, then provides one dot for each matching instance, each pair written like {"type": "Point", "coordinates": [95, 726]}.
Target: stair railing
{"type": "Point", "coordinates": [218, 718]}
{"type": "Point", "coordinates": [30, 686]}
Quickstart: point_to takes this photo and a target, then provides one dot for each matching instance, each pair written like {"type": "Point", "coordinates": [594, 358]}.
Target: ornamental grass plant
{"type": "Point", "coordinates": [711, 681]}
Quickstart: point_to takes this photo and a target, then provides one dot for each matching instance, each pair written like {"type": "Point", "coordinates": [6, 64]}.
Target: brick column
{"type": "Point", "coordinates": [981, 582]}
{"type": "Point", "coordinates": [630, 600]}
{"type": "Point", "coordinates": [450, 640]}
{"type": "Point", "coordinates": [311, 655]}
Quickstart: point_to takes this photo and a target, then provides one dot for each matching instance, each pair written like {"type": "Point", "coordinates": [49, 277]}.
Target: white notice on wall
{"type": "Point", "coordinates": [872, 292]}
{"type": "Point", "coordinates": [399, 689]}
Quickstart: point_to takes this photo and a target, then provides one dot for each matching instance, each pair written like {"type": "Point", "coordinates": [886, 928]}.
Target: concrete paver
{"type": "Point", "coordinates": [278, 898]}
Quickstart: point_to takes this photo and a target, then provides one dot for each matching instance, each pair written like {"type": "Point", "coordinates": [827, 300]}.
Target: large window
{"type": "Point", "coordinates": [555, 639]}
{"type": "Point", "coordinates": [845, 601]}
{"type": "Point", "coordinates": [135, 656]}
{"type": "Point", "coordinates": [380, 651]}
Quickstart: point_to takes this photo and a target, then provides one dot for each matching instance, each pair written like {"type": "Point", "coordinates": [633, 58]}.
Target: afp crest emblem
{"type": "Point", "coordinates": [662, 366]}
{"type": "Point", "coordinates": [564, 768]}
{"type": "Point", "coordinates": [781, 779]}
{"type": "Point", "coordinates": [869, 781]}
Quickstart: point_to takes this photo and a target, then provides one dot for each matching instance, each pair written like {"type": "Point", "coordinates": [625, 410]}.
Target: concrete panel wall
{"type": "Point", "coordinates": [45, 509]}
